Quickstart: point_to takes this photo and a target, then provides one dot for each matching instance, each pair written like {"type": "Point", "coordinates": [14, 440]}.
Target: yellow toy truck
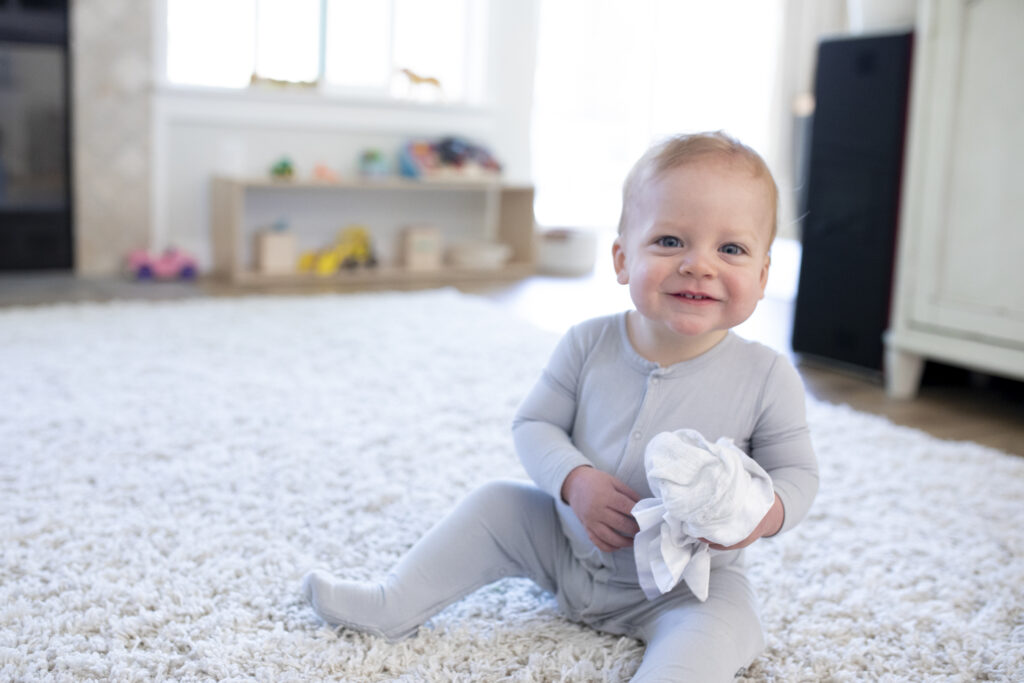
{"type": "Point", "coordinates": [352, 248]}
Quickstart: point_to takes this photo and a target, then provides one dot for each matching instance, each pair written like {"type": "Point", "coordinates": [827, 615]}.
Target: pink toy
{"type": "Point", "coordinates": [172, 264]}
{"type": "Point", "coordinates": [325, 173]}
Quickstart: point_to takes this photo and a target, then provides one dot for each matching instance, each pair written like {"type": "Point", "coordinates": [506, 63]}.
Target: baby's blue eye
{"type": "Point", "coordinates": [670, 242]}
{"type": "Point", "coordinates": [732, 249]}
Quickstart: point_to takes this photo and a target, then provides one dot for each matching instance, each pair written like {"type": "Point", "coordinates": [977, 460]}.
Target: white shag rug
{"type": "Point", "coordinates": [168, 471]}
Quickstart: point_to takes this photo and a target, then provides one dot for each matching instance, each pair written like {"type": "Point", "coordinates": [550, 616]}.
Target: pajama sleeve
{"type": "Point", "coordinates": [542, 427]}
{"type": "Point", "coordinates": [781, 442]}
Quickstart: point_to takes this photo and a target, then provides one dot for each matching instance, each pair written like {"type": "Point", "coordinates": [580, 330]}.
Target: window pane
{"type": "Point", "coordinates": [430, 40]}
{"type": "Point", "coordinates": [210, 43]}
{"type": "Point", "coordinates": [358, 50]}
{"type": "Point", "coordinates": [366, 44]}
{"type": "Point", "coordinates": [287, 39]}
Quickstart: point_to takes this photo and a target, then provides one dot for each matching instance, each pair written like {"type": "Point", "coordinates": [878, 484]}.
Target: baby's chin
{"type": "Point", "coordinates": [704, 335]}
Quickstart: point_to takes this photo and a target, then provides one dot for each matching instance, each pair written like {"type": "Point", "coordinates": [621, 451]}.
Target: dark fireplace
{"type": "Point", "coordinates": [35, 157]}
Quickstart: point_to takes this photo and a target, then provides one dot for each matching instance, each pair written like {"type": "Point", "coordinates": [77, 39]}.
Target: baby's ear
{"type": "Point", "coordinates": [619, 261]}
{"type": "Point", "coordinates": [764, 272]}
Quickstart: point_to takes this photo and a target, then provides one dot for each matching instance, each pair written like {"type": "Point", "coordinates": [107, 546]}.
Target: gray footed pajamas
{"type": "Point", "coordinates": [598, 403]}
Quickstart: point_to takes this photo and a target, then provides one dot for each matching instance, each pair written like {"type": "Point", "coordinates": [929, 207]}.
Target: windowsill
{"type": "Point", "coordinates": [300, 96]}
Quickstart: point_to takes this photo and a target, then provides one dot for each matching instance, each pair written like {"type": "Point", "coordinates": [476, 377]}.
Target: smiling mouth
{"type": "Point", "coordinates": [692, 296]}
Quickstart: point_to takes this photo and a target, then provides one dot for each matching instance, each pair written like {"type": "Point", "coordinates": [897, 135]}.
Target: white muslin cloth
{"type": "Point", "coordinates": [701, 490]}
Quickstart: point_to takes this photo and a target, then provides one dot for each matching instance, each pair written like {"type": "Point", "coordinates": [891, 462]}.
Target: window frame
{"type": "Point", "coordinates": [478, 91]}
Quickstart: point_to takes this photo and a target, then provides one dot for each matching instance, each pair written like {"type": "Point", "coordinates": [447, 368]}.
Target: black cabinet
{"type": "Point", "coordinates": [35, 157]}
{"type": "Point", "coordinates": [853, 189]}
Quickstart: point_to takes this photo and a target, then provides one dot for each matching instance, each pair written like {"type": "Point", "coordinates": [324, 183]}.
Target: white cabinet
{"type": "Point", "coordinates": [959, 295]}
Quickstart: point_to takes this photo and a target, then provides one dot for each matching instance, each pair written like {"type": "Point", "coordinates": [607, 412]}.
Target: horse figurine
{"type": "Point", "coordinates": [416, 81]}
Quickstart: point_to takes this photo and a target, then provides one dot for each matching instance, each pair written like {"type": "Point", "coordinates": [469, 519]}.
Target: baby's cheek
{"type": "Point", "coordinates": [641, 286]}
{"type": "Point", "coordinates": [744, 308]}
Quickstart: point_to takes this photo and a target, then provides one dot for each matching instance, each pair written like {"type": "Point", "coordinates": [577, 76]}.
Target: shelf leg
{"type": "Point", "coordinates": [492, 213]}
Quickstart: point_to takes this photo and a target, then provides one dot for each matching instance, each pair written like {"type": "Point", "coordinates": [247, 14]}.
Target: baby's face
{"type": "Point", "coordinates": [695, 256]}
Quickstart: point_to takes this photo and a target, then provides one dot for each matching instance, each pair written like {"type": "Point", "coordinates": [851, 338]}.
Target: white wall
{"type": "Point", "coordinates": [198, 134]}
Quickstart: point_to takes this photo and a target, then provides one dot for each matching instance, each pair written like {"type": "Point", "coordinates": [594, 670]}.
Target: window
{"type": "Point", "coordinates": [426, 50]}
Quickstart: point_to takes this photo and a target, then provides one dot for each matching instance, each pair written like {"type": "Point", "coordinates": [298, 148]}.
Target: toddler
{"type": "Point", "coordinates": [698, 219]}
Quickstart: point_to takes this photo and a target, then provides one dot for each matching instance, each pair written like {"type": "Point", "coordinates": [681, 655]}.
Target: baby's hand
{"type": "Point", "coordinates": [604, 504]}
{"type": "Point", "coordinates": [768, 526]}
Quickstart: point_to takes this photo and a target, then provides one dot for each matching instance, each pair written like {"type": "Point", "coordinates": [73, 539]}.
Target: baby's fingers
{"type": "Point", "coordinates": [627, 525]}
{"type": "Point", "coordinates": [608, 539]}
{"type": "Point", "coordinates": [713, 546]}
{"type": "Point", "coordinates": [623, 488]}
{"type": "Point", "coordinates": [623, 526]}
{"type": "Point", "coordinates": [621, 508]}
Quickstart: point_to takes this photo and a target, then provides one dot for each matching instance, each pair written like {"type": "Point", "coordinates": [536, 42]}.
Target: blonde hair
{"type": "Point", "coordinates": [679, 150]}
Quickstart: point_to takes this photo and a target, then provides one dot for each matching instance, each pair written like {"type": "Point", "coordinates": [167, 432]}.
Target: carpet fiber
{"type": "Point", "coordinates": [168, 471]}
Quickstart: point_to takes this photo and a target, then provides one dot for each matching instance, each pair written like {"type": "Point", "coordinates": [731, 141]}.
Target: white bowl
{"type": "Point", "coordinates": [481, 255]}
{"type": "Point", "coordinates": [566, 251]}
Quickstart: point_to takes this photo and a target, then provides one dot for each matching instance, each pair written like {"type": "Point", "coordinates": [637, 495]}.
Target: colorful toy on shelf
{"type": "Point", "coordinates": [354, 248]}
{"type": "Point", "coordinates": [418, 159]}
{"type": "Point", "coordinates": [283, 169]}
{"type": "Point", "coordinates": [171, 264]}
{"type": "Point", "coordinates": [374, 164]}
{"type": "Point", "coordinates": [463, 154]}
{"type": "Point", "coordinates": [448, 158]}
{"type": "Point", "coordinates": [325, 173]}
{"type": "Point", "coordinates": [351, 249]}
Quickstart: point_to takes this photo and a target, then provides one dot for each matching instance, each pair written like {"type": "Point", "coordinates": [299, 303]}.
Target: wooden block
{"type": "Point", "coordinates": [275, 252]}
{"type": "Point", "coordinates": [421, 248]}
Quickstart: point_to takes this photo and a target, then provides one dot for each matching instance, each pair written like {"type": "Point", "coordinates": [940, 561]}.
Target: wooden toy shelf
{"type": "Point", "coordinates": [507, 218]}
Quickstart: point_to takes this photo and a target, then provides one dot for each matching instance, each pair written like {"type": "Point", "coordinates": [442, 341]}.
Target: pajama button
{"type": "Point", "coordinates": [636, 436]}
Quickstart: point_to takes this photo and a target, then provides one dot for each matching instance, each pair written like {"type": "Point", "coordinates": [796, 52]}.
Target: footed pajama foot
{"type": "Point", "coordinates": [356, 605]}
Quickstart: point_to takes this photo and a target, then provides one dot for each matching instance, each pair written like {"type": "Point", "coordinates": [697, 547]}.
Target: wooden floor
{"type": "Point", "coordinates": [952, 404]}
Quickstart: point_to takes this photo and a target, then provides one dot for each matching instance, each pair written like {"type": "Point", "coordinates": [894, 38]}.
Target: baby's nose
{"type": "Point", "coordinates": [697, 264]}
